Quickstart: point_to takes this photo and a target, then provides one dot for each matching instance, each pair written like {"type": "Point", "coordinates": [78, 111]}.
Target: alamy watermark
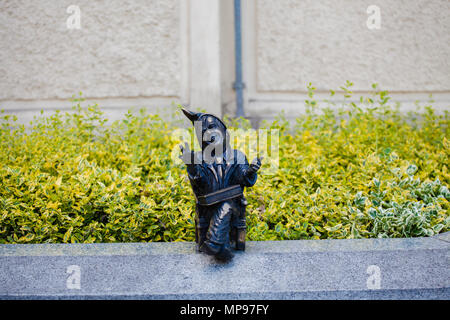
{"type": "Point", "coordinates": [374, 19]}
{"type": "Point", "coordinates": [217, 146]}
{"type": "Point", "coordinates": [74, 279]}
{"type": "Point", "coordinates": [74, 20]}
{"type": "Point", "coordinates": [374, 280]}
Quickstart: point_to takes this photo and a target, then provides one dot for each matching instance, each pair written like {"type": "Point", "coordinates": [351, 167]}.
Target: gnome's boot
{"type": "Point", "coordinates": [225, 254]}
{"type": "Point", "coordinates": [218, 237]}
{"type": "Point", "coordinates": [210, 248]}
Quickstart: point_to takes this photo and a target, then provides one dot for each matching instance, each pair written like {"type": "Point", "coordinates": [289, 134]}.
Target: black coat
{"type": "Point", "coordinates": [207, 178]}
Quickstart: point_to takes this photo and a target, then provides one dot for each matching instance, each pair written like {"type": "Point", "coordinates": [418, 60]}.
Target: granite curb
{"type": "Point", "coordinates": [412, 268]}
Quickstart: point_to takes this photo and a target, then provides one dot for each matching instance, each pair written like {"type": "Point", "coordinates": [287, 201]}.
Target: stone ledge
{"type": "Point", "coordinates": [414, 268]}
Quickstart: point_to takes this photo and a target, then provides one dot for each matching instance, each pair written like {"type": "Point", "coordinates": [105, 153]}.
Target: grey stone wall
{"type": "Point", "coordinates": [150, 53]}
{"type": "Point", "coordinates": [123, 49]}
{"type": "Point", "coordinates": [328, 42]}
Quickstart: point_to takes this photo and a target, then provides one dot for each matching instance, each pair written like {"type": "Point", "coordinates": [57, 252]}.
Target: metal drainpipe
{"type": "Point", "coordinates": [238, 85]}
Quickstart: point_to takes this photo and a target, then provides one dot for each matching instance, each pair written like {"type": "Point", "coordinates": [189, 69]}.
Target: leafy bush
{"type": "Point", "coordinates": [345, 171]}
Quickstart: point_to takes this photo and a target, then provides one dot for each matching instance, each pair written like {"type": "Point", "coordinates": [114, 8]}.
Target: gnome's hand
{"type": "Point", "coordinates": [256, 164]}
{"type": "Point", "coordinates": [186, 154]}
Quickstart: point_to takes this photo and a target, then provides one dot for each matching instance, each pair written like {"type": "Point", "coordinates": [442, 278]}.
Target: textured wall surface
{"type": "Point", "coordinates": [328, 42]}
{"type": "Point", "coordinates": [151, 52]}
{"type": "Point", "coordinates": [125, 48]}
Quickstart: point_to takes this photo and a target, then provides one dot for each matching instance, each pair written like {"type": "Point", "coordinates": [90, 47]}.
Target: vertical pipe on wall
{"type": "Point", "coordinates": [238, 85]}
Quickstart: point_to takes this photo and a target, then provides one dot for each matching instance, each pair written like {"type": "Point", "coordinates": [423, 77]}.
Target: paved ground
{"type": "Point", "coordinates": [416, 268]}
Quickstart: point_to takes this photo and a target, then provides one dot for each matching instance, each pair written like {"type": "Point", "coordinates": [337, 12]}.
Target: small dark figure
{"type": "Point", "coordinates": [218, 175]}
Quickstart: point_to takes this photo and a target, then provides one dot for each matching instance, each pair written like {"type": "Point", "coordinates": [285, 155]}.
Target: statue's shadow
{"type": "Point", "coordinates": [213, 263]}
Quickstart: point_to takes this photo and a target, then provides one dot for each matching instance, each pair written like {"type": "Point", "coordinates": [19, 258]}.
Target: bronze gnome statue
{"type": "Point", "coordinates": [218, 176]}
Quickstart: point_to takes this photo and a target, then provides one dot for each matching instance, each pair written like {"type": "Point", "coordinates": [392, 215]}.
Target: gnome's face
{"type": "Point", "coordinates": [212, 131]}
{"type": "Point", "coordinates": [209, 129]}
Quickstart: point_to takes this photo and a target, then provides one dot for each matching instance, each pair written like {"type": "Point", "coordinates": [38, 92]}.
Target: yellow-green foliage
{"type": "Point", "coordinates": [346, 173]}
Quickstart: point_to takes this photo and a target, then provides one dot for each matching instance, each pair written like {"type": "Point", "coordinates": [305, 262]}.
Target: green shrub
{"type": "Point", "coordinates": [345, 172]}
